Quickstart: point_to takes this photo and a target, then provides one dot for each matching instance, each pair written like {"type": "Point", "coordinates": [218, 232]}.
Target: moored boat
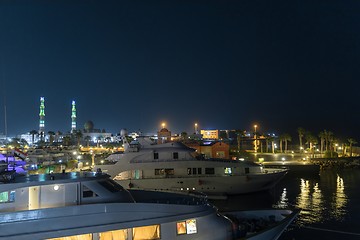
{"type": "Point", "coordinates": [263, 224]}
{"type": "Point", "coordinates": [92, 206]}
{"type": "Point", "coordinates": [175, 167]}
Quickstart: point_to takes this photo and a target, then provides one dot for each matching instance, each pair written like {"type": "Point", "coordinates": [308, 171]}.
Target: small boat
{"type": "Point", "coordinates": [267, 224]}
{"type": "Point", "coordinates": [175, 167]}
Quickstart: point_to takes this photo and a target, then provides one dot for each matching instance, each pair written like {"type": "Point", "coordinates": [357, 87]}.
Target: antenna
{"type": "Point", "coordinates": [4, 94]}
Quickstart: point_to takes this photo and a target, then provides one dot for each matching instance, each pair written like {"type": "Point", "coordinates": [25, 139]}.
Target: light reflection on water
{"type": "Point", "coordinates": [339, 200]}
{"type": "Point", "coordinates": [329, 200]}
{"type": "Point", "coordinates": [284, 201]}
{"type": "Point", "coordinates": [320, 199]}
{"type": "Point", "coordinates": [310, 201]}
{"type": "Point", "coordinates": [330, 203]}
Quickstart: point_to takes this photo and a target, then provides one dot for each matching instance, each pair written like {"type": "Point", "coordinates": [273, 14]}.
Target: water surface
{"type": "Point", "coordinates": [329, 203]}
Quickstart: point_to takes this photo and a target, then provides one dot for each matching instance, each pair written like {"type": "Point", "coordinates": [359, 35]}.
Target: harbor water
{"type": "Point", "coordinates": [329, 201]}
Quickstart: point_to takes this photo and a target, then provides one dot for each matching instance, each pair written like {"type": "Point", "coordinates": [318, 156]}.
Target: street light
{"type": "Point", "coordinates": [255, 137]}
{"type": "Point", "coordinates": [163, 125]}
{"type": "Point", "coordinates": [196, 125]}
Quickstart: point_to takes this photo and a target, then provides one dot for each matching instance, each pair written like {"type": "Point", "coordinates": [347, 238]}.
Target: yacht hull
{"type": "Point", "coordinates": [212, 185]}
{"type": "Point", "coordinates": [282, 218]}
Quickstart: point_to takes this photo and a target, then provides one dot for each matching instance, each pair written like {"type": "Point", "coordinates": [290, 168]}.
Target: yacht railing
{"type": "Point", "coordinates": [193, 159]}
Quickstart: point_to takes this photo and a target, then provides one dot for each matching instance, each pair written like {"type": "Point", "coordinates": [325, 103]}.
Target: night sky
{"type": "Point", "coordinates": [224, 64]}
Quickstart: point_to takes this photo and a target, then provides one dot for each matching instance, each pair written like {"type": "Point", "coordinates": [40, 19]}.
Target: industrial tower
{"type": "Point", "coordinates": [42, 117]}
{"type": "Point", "coordinates": [73, 117]}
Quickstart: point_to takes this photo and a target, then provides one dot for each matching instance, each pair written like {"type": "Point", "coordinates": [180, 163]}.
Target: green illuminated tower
{"type": "Point", "coordinates": [42, 117]}
{"type": "Point", "coordinates": [73, 117]}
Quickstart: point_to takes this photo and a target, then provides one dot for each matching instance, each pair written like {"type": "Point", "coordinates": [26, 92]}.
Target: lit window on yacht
{"type": "Point", "coordinates": [8, 196]}
{"type": "Point", "coordinates": [164, 171]}
{"type": "Point", "coordinates": [186, 227]}
{"type": "Point", "coordinates": [4, 197]}
{"type": "Point", "coordinates": [114, 235]}
{"type": "Point", "coordinates": [175, 155]}
{"type": "Point", "coordinates": [12, 196]}
{"type": "Point", "coordinates": [147, 232]}
{"type": "Point", "coordinates": [159, 171]}
{"type": "Point", "coordinates": [228, 170]}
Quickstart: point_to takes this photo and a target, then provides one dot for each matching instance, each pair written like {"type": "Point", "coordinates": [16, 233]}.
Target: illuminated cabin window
{"type": "Point", "coordinates": [228, 170]}
{"type": "Point", "coordinates": [87, 236]}
{"type": "Point", "coordinates": [164, 171]}
{"type": "Point", "coordinates": [114, 235]}
{"type": "Point", "coordinates": [186, 227]}
{"type": "Point", "coordinates": [160, 171]}
{"type": "Point", "coordinates": [147, 232]}
{"type": "Point", "coordinates": [8, 196]}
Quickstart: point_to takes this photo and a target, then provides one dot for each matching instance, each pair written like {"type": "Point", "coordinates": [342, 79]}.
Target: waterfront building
{"type": "Point", "coordinates": [164, 135]}
{"type": "Point", "coordinates": [95, 135]}
{"type": "Point", "coordinates": [210, 134]}
{"type": "Point", "coordinates": [211, 149]}
{"type": "Point", "coordinates": [28, 137]}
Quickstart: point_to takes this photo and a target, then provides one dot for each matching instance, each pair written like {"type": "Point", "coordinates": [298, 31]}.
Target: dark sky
{"type": "Point", "coordinates": [224, 64]}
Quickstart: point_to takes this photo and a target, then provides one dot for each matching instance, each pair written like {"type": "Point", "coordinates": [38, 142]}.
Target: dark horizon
{"type": "Point", "coordinates": [225, 65]}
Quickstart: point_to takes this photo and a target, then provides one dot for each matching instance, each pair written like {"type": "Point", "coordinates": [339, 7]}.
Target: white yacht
{"type": "Point", "coordinates": [91, 206]}
{"type": "Point", "coordinates": [175, 167]}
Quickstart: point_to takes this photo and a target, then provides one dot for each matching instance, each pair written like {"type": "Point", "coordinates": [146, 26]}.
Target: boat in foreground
{"type": "Point", "coordinates": [266, 224]}
{"type": "Point", "coordinates": [175, 167]}
{"type": "Point", "coordinates": [90, 205]}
